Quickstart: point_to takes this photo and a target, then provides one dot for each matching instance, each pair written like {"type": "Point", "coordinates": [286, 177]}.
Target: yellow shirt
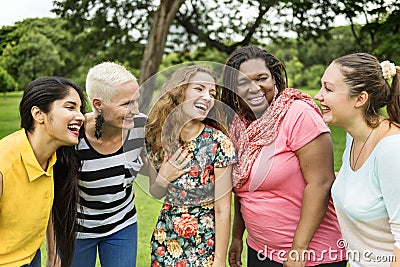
{"type": "Point", "coordinates": [26, 201]}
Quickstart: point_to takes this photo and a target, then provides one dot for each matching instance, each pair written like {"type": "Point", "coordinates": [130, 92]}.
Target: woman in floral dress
{"type": "Point", "coordinates": [193, 159]}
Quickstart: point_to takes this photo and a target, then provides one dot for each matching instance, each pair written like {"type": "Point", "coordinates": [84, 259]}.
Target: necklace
{"type": "Point", "coordinates": [359, 153]}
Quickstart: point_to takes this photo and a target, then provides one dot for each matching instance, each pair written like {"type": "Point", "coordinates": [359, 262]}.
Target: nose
{"type": "Point", "coordinates": [254, 87]}
{"type": "Point", "coordinates": [206, 95]}
{"type": "Point", "coordinates": [319, 96]}
{"type": "Point", "coordinates": [80, 117]}
{"type": "Point", "coordinates": [133, 108]}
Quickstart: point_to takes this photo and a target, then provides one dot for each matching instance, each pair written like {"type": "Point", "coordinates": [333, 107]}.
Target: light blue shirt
{"type": "Point", "coordinates": [368, 202]}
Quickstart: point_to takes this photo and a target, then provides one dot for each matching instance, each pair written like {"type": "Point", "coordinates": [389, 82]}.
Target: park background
{"type": "Point", "coordinates": [148, 37]}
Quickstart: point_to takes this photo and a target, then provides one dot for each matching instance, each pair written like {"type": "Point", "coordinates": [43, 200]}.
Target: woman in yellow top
{"type": "Point", "coordinates": [30, 198]}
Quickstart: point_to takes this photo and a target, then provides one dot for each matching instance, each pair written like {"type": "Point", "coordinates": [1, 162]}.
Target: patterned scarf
{"type": "Point", "coordinates": [249, 137]}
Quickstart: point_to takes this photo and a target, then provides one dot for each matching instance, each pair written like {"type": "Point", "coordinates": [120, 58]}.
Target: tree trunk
{"type": "Point", "coordinates": [153, 53]}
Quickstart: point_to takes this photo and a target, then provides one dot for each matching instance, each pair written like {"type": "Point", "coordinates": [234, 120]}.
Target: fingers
{"type": "Point", "coordinates": [181, 158]}
{"type": "Point", "coordinates": [233, 262]}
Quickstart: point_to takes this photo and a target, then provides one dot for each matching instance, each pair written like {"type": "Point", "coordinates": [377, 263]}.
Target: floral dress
{"type": "Point", "coordinates": [184, 234]}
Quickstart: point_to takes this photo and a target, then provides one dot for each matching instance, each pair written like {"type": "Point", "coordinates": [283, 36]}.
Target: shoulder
{"type": "Point", "coordinates": [302, 112]}
{"type": "Point", "coordinates": [389, 144]}
{"type": "Point", "coordinates": [214, 133]}
{"type": "Point", "coordinates": [299, 106]}
{"type": "Point", "coordinates": [13, 136]}
{"type": "Point", "coordinates": [12, 149]}
{"type": "Point", "coordinates": [13, 143]}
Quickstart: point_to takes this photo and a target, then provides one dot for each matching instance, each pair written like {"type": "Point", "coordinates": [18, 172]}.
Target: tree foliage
{"type": "Point", "coordinates": [34, 48]}
{"type": "Point", "coordinates": [139, 34]}
{"type": "Point", "coordinates": [7, 82]}
{"type": "Point", "coordinates": [224, 25]}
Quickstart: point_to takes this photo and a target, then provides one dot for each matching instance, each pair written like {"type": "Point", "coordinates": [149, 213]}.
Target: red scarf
{"type": "Point", "coordinates": [249, 137]}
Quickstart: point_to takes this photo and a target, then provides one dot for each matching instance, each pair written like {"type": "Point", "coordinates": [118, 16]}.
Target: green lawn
{"type": "Point", "coordinates": [147, 207]}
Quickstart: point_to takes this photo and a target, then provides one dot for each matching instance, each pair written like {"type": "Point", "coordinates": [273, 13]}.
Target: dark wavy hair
{"type": "Point", "coordinates": [42, 93]}
{"type": "Point", "coordinates": [230, 76]}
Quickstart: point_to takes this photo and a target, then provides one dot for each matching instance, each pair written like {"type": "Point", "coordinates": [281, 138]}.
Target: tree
{"type": "Point", "coordinates": [224, 25]}
{"type": "Point", "coordinates": [379, 32]}
{"type": "Point", "coordinates": [34, 56]}
{"type": "Point", "coordinates": [34, 44]}
{"type": "Point", "coordinates": [152, 57]}
{"type": "Point", "coordinates": [7, 83]}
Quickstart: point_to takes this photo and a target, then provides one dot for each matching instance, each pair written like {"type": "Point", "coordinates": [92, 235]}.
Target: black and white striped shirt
{"type": "Point", "coordinates": [106, 190]}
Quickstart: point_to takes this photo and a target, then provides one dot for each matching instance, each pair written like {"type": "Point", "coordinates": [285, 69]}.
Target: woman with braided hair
{"type": "Point", "coordinates": [284, 173]}
{"type": "Point", "coordinates": [354, 89]}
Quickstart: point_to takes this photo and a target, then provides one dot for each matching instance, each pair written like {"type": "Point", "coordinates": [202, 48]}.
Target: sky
{"type": "Point", "coordinates": [12, 11]}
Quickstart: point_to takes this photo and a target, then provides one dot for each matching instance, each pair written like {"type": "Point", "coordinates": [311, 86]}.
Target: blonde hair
{"type": "Point", "coordinates": [168, 106]}
{"type": "Point", "coordinates": [102, 79]}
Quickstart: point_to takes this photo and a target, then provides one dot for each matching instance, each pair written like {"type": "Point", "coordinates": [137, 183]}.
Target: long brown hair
{"type": "Point", "coordinates": [165, 119]}
{"type": "Point", "coordinates": [363, 72]}
{"type": "Point", "coordinates": [43, 92]}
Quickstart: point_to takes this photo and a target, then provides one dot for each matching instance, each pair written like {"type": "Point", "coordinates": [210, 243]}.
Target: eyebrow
{"type": "Point", "coordinates": [71, 102]}
{"type": "Point", "coordinates": [246, 77]}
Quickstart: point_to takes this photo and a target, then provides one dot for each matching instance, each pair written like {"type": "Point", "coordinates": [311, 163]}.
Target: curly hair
{"type": "Point", "coordinates": [166, 120]}
{"type": "Point", "coordinates": [231, 70]}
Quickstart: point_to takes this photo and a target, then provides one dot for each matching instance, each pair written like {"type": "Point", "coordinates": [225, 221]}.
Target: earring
{"type": "Point", "coordinates": [98, 127]}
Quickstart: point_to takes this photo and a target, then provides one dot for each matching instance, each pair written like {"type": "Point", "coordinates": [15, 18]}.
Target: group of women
{"type": "Point", "coordinates": [72, 174]}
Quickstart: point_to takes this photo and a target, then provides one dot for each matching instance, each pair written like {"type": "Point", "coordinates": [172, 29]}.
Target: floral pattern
{"type": "Point", "coordinates": [184, 234]}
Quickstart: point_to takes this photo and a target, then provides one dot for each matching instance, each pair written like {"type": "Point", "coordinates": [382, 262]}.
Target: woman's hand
{"type": "Point", "coordinates": [171, 169]}
{"type": "Point", "coordinates": [235, 252]}
{"type": "Point", "coordinates": [295, 258]}
{"type": "Point", "coordinates": [174, 167]}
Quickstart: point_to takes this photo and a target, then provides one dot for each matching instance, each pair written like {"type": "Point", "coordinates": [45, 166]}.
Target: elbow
{"type": "Point", "coordinates": [326, 184]}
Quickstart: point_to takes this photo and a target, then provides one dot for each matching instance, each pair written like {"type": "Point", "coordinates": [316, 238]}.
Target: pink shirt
{"type": "Point", "coordinates": [272, 197]}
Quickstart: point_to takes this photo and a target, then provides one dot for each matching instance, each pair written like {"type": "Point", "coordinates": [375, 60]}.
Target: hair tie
{"type": "Point", "coordinates": [388, 69]}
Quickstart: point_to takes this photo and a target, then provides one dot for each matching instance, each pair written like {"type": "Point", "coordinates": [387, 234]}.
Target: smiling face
{"type": "Point", "coordinates": [122, 107]}
{"type": "Point", "coordinates": [255, 85]}
{"type": "Point", "coordinates": [64, 119]}
{"type": "Point", "coordinates": [338, 107]}
{"type": "Point", "coordinates": [199, 96]}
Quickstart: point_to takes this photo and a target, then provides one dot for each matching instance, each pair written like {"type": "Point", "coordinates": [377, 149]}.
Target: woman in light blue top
{"type": "Point", "coordinates": [366, 191]}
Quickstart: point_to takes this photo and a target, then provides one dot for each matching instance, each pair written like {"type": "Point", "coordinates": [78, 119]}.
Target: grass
{"type": "Point", "coordinates": [147, 207]}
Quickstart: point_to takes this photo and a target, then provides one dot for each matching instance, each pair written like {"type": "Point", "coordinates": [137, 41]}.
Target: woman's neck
{"type": "Point", "coordinates": [360, 129]}
{"type": "Point", "coordinates": [191, 130]}
{"type": "Point", "coordinates": [42, 148]}
{"type": "Point", "coordinates": [108, 133]}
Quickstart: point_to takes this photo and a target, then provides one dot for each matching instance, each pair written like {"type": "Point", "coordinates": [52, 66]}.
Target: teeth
{"type": "Point", "coordinates": [73, 127]}
{"type": "Point", "coordinates": [201, 106]}
{"type": "Point", "coordinates": [256, 99]}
